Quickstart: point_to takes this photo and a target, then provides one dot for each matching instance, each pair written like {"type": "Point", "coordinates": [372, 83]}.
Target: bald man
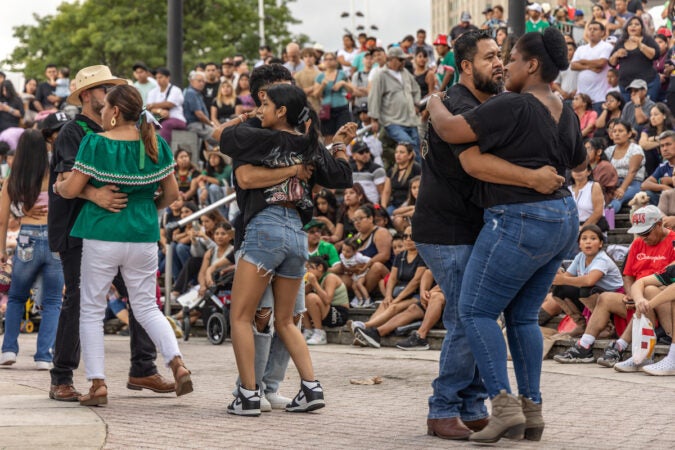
{"type": "Point", "coordinates": [294, 63]}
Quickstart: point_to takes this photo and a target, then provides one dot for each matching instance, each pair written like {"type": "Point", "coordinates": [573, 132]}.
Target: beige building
{"type": "Point", "coordinates": [445, 13]}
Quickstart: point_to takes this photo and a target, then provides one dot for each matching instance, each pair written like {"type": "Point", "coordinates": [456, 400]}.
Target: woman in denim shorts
{"type": "Point", "coordinates": [273, 248]}
{"type": "Point", "coordinates": [25, 188]}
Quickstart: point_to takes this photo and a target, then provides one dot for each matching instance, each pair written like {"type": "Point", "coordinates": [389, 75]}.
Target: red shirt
{"type": "Point", "coordinates": [644, 260]}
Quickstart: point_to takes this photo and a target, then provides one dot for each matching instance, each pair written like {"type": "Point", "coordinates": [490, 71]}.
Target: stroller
{"type": "Point", "coordinates": [214, 307]}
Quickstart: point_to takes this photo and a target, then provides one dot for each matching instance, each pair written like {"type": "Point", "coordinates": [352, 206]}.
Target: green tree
{"type": "Point", "coordinates": [119, 32]}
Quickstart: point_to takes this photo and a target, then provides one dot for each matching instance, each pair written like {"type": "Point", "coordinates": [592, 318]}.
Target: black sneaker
{"type": "Point", "coordinates": [414, 342]}
{"type": "Point", "coordinates": [612, 355]}
{"type": "Point", "coordinates": [246, 403]}
{"type": "Point", "coordinates": [576, 354]}
{"type": "Point", "coordinates": [308, 399]}
{"type": "Point", "coordinates": [368, 336]}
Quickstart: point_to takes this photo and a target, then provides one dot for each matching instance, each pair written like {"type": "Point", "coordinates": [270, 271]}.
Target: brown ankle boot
{"type": "Point", "coordinates": [534, 420]}
{"type": "Point", "coordinates": [507, 420]}
{"type": "Point", "coordinates": [182, 376]}
{"type": "Point", "coordinates": [97, 395]}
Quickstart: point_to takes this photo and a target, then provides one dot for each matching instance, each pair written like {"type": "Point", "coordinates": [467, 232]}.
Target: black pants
{"type": "Point", "coordinates": [67, 345]}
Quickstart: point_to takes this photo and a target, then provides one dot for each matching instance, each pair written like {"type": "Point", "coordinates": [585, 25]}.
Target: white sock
{"type": "Point", "coordinates": [310, 384]}
{"type": "Point", "coordinates": [623, 345]}
{"type": "Point", "coordinates": [671, 353]}
{"type": "Point", "coordinates": [587, 340]}
{"type": "Point", "coordinates": [248, 393]}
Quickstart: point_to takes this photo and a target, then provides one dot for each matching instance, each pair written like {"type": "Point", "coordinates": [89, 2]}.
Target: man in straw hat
{"type": "Point", "coordinates": [91, 86]}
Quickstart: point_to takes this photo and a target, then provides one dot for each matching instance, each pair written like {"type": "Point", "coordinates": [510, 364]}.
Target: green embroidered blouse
{"type": "Point", "coordinates": [125, 164]}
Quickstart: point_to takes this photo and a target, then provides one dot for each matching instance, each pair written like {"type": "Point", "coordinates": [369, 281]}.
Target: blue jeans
{"type": "Point", "coordinates": [511, 269]}
{"type": "Point", "coordinates": [181, 253]}
{"type": "Point", "coordinates": [215, 192]}
{"type": "Point", "coordinates": [458, 389]}
{"type": "Point", "coordinates": [32, 258]}
{"type": "Point", "coordinates": [399, 133]}
{"type": "Point", "coordinates": [633, 188]}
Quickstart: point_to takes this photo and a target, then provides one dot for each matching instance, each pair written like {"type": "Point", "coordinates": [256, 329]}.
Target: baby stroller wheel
{"type": "Point", "coordinates": [216, 328]}
{"type": "Point", "coordinates": [186, 324]}
{"type": "Point", "coordinates": [29, 326]}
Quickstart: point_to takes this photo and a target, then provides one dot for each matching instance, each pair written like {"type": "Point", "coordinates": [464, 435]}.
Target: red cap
{"type": "Point", "coordinates": [664, 31]}
{"type": "Point", "coordinates": [442, 39]}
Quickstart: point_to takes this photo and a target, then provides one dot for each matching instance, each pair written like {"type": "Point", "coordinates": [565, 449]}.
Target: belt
{"type": "Point", "coordinates": [289, 205]}
{"type": "Point", "coordinates": [35, 233]}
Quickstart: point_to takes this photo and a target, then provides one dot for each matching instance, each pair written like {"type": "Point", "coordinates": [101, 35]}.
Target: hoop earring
{"type": "Point", "coordinates": [113, 122]}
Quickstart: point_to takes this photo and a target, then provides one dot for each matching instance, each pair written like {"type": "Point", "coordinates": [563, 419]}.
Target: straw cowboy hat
{"type": "Point", "coordinates": [90, 77]}
{"type": "Point", "coordinates": [216, 151]}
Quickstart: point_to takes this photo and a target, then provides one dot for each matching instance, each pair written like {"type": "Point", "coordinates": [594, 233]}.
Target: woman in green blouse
{"type": "Point", "coordinates": [131, 156]}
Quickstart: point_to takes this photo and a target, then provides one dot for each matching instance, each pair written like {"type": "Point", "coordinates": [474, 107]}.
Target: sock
{"type": "Point", "coordinates": [671, 353]}
{"type": "Point", "coordinates": [586, 341]}
{"type": "Point", "coordinates": [248, 393]}
{"type": "Point", "coordinates": [310, 384]}
{"type": "Point", "coordinates": [623, 345]}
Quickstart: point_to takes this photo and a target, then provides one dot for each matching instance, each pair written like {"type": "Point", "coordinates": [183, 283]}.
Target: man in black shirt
{"type": "Point", "coordinates": [446, 224]}
{"type": "Point", "coordinates": [212, 84]}
{"type": "Point", "coordinates": [45, 91]}
{"type": "Point", "coordinates": [92, 84]}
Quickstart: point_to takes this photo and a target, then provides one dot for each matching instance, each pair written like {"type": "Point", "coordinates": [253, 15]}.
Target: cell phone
{"type": "Point", "coordinates": [196, 224]}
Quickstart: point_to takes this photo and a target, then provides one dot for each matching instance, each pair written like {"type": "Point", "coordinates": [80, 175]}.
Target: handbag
{"type": "Point", "coordinates": [324, 111]}
{"type": "Point", "coordinates": [610, 217]}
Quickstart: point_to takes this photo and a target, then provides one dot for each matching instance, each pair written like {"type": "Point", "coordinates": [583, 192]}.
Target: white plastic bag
{"type": "Point", "coordinates": [644, 339]}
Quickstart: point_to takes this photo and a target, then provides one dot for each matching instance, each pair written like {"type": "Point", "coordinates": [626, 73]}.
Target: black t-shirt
{"type": "Point", "coordinates": [521, 130]}
{"type": "Point", "coordinates": [399, 189]}
{"type": "Point", "coordinates": [210, 92]}
{"type": "Point", "coordinates": [636, 66]}
{"type": "Point", "coordinates": [8, 120]}
{"type": "Point", "coordinates": [444, 213]}
{"type": "Point", "coordinates": [224, 112]}
{"type": "Point", "coordinates": [273, 149]}
{"type": "Point", "coordinates": [406, 270]}
{"type": "Point", "coordinates": [62, 213]}
{"type": "Point", "coordinates": [44, 90]}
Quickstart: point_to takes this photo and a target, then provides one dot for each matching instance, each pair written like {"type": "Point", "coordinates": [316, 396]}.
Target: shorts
{"type": "Point", "coordinates": [575, 293]}
{"type": "Point", "coordinates": [336, 317]}
{"type": "Point", "coordinates": [274, 241]}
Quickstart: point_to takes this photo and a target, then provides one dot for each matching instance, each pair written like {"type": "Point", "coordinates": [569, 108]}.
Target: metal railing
{"type": "Point", "coordinates": [168, 262]}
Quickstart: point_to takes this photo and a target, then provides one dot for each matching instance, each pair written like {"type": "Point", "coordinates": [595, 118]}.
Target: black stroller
{"type": "Point", "coordinates": [214, 307]}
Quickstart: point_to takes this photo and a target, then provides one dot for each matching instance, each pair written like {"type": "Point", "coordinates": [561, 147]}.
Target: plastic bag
{"type": "Point", "coordinates": [644, 339]}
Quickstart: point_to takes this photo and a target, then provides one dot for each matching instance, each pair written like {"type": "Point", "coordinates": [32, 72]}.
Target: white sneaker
{"type": "Point", "coordinates": [662, 368]}
{"type": "Point", "coordinates": [628, 366]}
{"type": "Point", "coordinates": [307, 333]}
{"type": "Point", "coordinates": [318, 338]}
{"type": "Point", "coordinates": [367, 303]}
{"type": "Point", "coordinates": [355, 302]}
{"type": "Point", "coordinates": [7, 359]}
{"type": "Point", "coordinates": [277, 400]}
{"type": "Point", "coordinates": [357, 324]}
{"type": "Point", "coordinates": [265, 405]}
{"type": "Point", "coordinates": [43, 365]}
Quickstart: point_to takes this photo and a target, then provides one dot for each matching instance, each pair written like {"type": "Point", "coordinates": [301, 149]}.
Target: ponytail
{"type": "Point", "coordinates": [149, 138]}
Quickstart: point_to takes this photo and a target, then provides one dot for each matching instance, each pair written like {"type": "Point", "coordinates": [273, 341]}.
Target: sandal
{"type": "Point", "coordinates": [97, 395]}
{"type": "Point", "coordinates": [181, 375]}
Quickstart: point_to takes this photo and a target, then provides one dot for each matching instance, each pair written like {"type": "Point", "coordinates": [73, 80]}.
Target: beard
{"type": "Point", "coordinates": [487, 84]}
{"type": "Point", "coordinates": [96, 105]}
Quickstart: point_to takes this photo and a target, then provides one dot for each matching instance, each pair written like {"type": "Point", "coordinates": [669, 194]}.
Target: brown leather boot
{"type": "Point", "coordinates": [534, 420]}
{"type": "Point", "coordinates": [182, 376]}
{"type": "Point", "coordinates": [507, 420]}
{"type": "Point", "coordinates": [448, 428]}
{"type": "Point", "coordinates": [97, 395]}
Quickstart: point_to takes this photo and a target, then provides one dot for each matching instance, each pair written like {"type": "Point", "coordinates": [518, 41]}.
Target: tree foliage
{"type": "Point", "coordinates": [118, 33]}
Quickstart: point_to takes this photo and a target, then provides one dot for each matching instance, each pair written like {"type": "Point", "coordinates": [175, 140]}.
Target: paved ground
{"type": "Point", "coordinates": [586, 407]}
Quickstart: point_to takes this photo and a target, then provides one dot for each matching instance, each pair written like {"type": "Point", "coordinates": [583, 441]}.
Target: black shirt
{"type": "Point", "coordinates": [400, 188]}
{"type": "Point", "coordinates": [406, 270]}
{"type": "Point", "coordinates": [210, 92]}
{"type": "Point", "coordinates": [224, 112]}
{"type": "Point", "coordinates": [8, 120]}
{"type": "Point", "coordinates": [273, 149]}
{"type": "Point", "coordinates": [521, 130]}
{"type": "Point", "coordinates": [636, 66]}
{"type": "Point", "coordinates": [62, 213]}
{"type": "Point", "coordinates": [44, 90]}
{"type": "Point", "coordinates": [444, 213]}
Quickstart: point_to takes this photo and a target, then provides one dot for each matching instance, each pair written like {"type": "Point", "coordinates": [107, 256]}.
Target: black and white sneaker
{"type": "Point", "coordinates": [308, 399]}
{"type": "Point", "coordinates": [368, 336]}
{"type": "Point", "coordinates": [576, 354]}
{"type": "Point", "coordinates": [246, 403]}
{"type": "Point", "coordinates": [413, 342]}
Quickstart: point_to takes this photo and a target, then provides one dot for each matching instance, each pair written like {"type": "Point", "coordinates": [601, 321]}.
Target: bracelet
{"type": "Point", "coordinates": [242, 118]}
{"type": "Point", "coordinates": [55, 189]}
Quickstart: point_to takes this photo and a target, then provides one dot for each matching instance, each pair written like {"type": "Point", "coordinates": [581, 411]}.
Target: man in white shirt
{"type": "Point", "coordinates": [591, 60]}
{"type": "Point", "coordinates": [166, 101]}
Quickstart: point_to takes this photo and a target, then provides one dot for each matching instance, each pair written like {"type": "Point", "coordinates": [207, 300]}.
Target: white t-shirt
{"type": "Point", "coordinates": [593, 84]}
{"type": "Point", "coordinates": [621, 165]}
{"type": "Point", "coordinates": [611, 279]}
{"type": "Point", "coordinates": [175, 96]}
{"type": "Point", "coordinates": [349, 57]}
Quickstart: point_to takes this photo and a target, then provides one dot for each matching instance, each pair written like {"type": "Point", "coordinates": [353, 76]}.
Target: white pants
{"type": "Point", "coordinates": [138, 264]}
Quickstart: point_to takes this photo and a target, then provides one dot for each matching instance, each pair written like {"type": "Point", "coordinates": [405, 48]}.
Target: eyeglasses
{"type": "Point", "coordinates": [105, 87]}
{"type": "Point", "coordinates": [646, 233]}
{"type": "Point", "coordinates": [358, 219]}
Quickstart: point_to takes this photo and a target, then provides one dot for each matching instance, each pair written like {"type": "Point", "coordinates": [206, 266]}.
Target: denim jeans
{"type": "Point", "coordinates": [511, 269]}
{"type": "Point", "coordinates": [633, 188]}
{"type": "Point", "coordinates": [458, 389]}
{"type": "Point", "coordinates": [399, 133]}
{"type": "Point", "coordinates": [215, 192]}
{"type": "Point", "coordinates": [181, 253]}
{"type": "Point", "coordinates": [31, 259]}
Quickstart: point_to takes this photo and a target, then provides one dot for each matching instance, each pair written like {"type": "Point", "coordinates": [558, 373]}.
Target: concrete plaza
{"type": "Point", "coordinates": [585, 406]}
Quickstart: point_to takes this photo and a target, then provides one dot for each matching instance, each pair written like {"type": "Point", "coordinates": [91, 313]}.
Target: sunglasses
{"type": "Point", "coordinates": [105, 87]}
{"type": "Point", "coordinates": [406, 236]}
{"type": "Point", "coordinates": [362, 151]}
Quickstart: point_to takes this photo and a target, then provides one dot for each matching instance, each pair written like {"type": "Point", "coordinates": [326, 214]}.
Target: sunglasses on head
{"type": "Point", "coordinates": [361, 151]}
